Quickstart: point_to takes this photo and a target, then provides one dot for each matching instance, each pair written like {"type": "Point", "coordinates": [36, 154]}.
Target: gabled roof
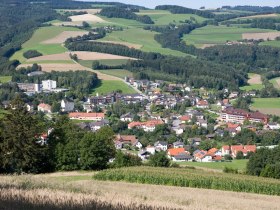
{"type": "Point", "coordinates": [85, 115]}
{"type": "Point", "coordinates": [163, 143]}
{"type": "Point", "coordinates": [176, 151]}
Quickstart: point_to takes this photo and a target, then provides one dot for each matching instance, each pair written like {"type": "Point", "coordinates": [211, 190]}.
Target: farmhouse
{"type": "Point", "coordinates": [202, 104]}
{"type": "Point", "coordinates": [130, 140]}
{"type": "Point", "coordinates": [86, 116]}
{"type": "Point", "coordinates": [233, 115]}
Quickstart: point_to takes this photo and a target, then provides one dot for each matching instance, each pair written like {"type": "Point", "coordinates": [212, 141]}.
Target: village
{"type": "Point", "coordinates": [161, 106]}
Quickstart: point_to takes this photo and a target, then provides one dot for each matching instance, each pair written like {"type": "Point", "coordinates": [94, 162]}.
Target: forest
{"type": "Point", "coordinates": [118, 12]}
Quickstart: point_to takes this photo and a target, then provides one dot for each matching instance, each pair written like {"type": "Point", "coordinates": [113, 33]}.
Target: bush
{"type": "Point", "coordinates": [126, 160]}
{"type": "Point", "coordinates": [230, 170]}
{"type": "Point", "coordinates": [159, 160]}
{"type": "Point", "coordinates": [32, 54]}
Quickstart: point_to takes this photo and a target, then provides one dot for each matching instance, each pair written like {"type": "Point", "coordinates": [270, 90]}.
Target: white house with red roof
{"type": "Point", "coordinates": [234, 149]}
{"type": "Point", "coordinates": [46, 108]}
{"type": "Point", "coordinates": [202, 104]}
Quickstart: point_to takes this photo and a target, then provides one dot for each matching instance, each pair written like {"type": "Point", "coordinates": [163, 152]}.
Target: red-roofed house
{"type": "Point", "coordinates": [130, 140]}
{"type": "Point", "coordinates": [148, 126]}
{"type": "Point", "coordinates": [202, 104]}
{"type": "Point", "coordinates": [86, 116]}
{"type": "Point", "coordinates": [185, 119]}
{"type": "Point", "coordinates": [44, 108]}
{"type": "Point", "coordinates": [234, 149]}
{"type": "Point", "coordinates": [179, 154]}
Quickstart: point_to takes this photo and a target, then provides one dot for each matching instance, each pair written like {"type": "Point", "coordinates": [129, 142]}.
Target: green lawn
{"type": "Point", "coordinates": [88, 63]}
{"type": "Point", "coordinates": [5, 79]}
{"type": "Point", "coordinates": [42, 34]}
{"type": "Point", "coordinates": [218, 34]}
{"type": "Point", "coordinates": [273, 103]}
{"type": "Point", "coordinates": [275, 83]}
{"type": "Point", "coordinates": [141, 37]}
{"type": "Point", "coordinates": [236, 164]}
{"type": "Point", "coordinates": [107, 86]}
{"type": "Point", "coordinates": [273, 43]}
{"type": "Point", "coordinates": [252, 87]}
{"type": "Point", "coordinates": [121, 73]}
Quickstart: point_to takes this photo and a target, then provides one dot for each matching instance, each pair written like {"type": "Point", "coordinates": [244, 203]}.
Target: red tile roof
{"type": "Point", "coordinates": [86, 115]}
{"type": "Point", "coordinates": [45, 106]}
{"type": "Point", "coordinates": [212, 151]}
{"type": "Point", "coordinates": [232, 125]}
{"type": "Point", "coordinates": [185, 118]}
{"type": "Point", "coordinates": [202, 103]}
{"type": "Point", "coordinates": [176, 151]}
{"type": "Point", "coordinates": [150, 123]}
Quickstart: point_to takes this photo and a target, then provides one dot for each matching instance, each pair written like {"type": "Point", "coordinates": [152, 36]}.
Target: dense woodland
{"type": "Point", "coordinates": [118, 12]}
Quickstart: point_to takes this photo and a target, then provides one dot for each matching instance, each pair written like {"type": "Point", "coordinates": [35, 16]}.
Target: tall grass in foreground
{"type": "Point", "coordinates": [44, 199]}
{"type": "Point", "coordinates": [192, 178]}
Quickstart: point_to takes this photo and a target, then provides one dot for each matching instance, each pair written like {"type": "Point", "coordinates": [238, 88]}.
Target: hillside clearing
{"type": "Point", "coordinates": [87, 17]}
{"type": "Point", "coordinates": [218, 34]}
{"type": "Point", "coordinates": [254, 79]}
{"type": "Point", "coordinates": [111, 62]}
{"type": "Point", "coordinates": [121, 73]}
{"type": "Point", "coordinates": [62, 37]}
{"type": "Point", "coordinates": [258, 36]}
{"type": "Point", "coordinates": [49, 67]}
{"type": "Point", "coordinates": [275, 82]}
{"type": "Point", "coordinates": [65, 188]}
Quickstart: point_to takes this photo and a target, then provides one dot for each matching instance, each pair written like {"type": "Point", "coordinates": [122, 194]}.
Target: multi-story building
{"type": "Point", "coordinates": [239, 116]}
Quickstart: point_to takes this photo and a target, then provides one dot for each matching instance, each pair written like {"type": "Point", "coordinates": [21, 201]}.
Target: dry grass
{"type": "Point", "coordinates": [207, 45]}
{"type": "Point", "coordinates": [53, 57]}
{"type": "Point", "coordinates": [258, 36]}
{"type": "Point", "coordinates": [60, 189]}
{"type": "Point", "coordinates": [127, 44]}
{"type": "Point", "coordinates": [255, 79]}
{"type": "Point", "coordinates": [62, 37]}
{"type": "Point", "coordinates": [260, 16]}
{"type": "Point", "coordinates": [87, 17]}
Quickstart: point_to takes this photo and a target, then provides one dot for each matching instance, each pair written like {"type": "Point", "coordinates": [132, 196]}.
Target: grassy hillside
{"type": "Point", "coordinates": [5, 79]}
{"type": "Point", "coordinates": [43, 34]}
{"type": "Point", "coordinates": [218, 34]}
{"type": "Point", "coordinates": [121, 73]}
{"type": "Point", "coordinates": [141, 37]}
{"type": "Point", "coordinates": [267, 105]}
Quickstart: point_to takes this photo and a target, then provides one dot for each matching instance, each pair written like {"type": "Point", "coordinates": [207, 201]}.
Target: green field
{"type": "Point", "coordinates": [218, 34]}
{"type": "Point", "coordinates": [252, 87]}
{"type": "Point", "coordinates": [43, 34]}
{"type": "Point", "coordinates": [259, 103]}
{"type": "Point", "coordinates": [236, 164]}
{"type": "Point", "coordinates": [121, 73]}
{"type": "Point", "coordinates": [141, 37]}
{"type": "Point", "coordinates": [116, 62]}
{"type": "Point", "coordinates": [273, 43]}
{"type": "Point", "coordinates": [5, 79]}
{"type": "Point", "coordinates": [275, 83]}
{"type": "Point", "coordinates": [107, 86]}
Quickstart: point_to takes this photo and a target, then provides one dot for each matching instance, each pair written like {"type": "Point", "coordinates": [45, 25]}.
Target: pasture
{"type": "Point", "coordinates": [120, 73]}
{"type": "Point", "coordinates": [273, 43]}
{"type": "Point", "coordinates": [107, 86]}
{"type": "Point", "coordinates": [141, 37]}
{"type": "Point", "coordinates": [37, 39]}
{"type": "Point", "coordinates": [267, 105]}
{"type": "Point", "coordinates": [5, 79]}
{"type": "Point", "coordinates": [108, 62]}
{"type": "Point", "coordinates": [218, 35]}
{"type": "Point", "coordinates": [77, 190]}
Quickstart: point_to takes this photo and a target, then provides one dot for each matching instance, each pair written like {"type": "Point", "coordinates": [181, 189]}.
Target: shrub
{"type": "Point", "coordinates": [32, 54]}
{"type": "Point", "coordinates": [159, 160]}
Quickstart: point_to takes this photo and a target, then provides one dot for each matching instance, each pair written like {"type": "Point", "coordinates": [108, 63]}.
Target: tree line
{"type": "Point", "coordinates": [118, 12]}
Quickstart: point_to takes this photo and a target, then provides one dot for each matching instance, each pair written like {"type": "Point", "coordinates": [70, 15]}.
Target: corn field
{"type": "Point", "coordinates": [192, 178]}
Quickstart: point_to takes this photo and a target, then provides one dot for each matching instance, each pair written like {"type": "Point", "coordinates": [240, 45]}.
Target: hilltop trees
{"type": "Point", "coordinates": [19, 147]}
